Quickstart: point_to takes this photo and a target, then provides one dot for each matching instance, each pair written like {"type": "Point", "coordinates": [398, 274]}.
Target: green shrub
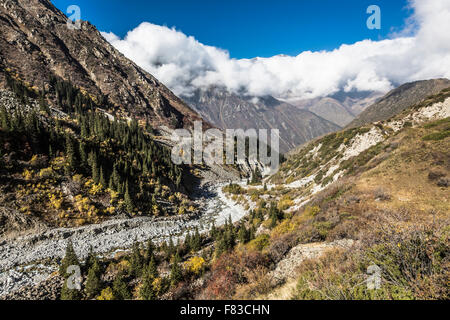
{"type": "Point", "coordinates": [233, 189]}
{"type": "Point", "coordinates": [436, 136]}
{"type": "Point", "coordinates": [259, 243]}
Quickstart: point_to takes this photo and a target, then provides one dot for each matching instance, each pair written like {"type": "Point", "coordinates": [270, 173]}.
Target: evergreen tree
{"type": "Point", "coordinates": [93, 281]}
{"type": "Point", "coordinates": [152, 268]}
{"type": "Point", "coordinates": [69, 294]}
{"type": "Point", "coordinates": [90, 259]}
{"type": "Point", "coordinates": [102, 178]}
{"type": "Point", "coordinates": [70, 259]}
{"type": "Point", "coordinates": [83, 155]}
{"type": "Point", "coordinates": [256, 176]}
{"type": "Point", "coordinates": [243, 234]}
{"type": "Point", "coordinates": [176, 274]}
{"type": "Point", "coordinates": [127, 200]}
{"type": "Point", "coordinates": [70, 155]}
{"type": "Point", "coordinates": [150, 251]}
{"type": "Point", "coordinates": [213, 230]}
{"type": "Point", "coordinates": [187, 242]}
{"type": "Point", "coordinates": [147, 292]}
{"type": "Point", "coordinates": [274, 214]}
{"type": "Point", "coordinates": [42, 104]}
{"type": "Point", "coordinates": [137, 261]}
{"type": "Point", "coordinates": [196, 241]}
{"type": "Point", "coordinates": [4, 118]}
{"type": "Point", "coordinates": [120, 288]}
{"type": "Point", "coordinates": [171, 247]}
{"type": "Point", "coordinates": [93, 161]}
{"type": "Point", "coordinates": [164, 247]}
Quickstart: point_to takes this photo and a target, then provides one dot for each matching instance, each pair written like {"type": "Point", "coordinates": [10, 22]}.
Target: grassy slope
{"type": "Point", "coordinates": [393, 199]}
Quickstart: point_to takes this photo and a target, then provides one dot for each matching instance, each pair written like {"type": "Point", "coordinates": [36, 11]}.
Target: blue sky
{"type": "Point", "coordinates": [249, 28]}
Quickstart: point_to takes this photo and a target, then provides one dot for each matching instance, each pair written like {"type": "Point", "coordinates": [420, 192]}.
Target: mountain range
{"type": "Point", "coordinates": [87, 181]}
{"type": "Point", "coordinates": [226, 110]}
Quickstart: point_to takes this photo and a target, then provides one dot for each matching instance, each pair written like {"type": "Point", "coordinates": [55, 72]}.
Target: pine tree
{"type": "Point", "coordinates": [120, 288]}
{"type": "Point", "coordinates": [150, 251]}
{"type": "Point", "coordinates": [152, 268]}
{"type": "Point", "coordinates": [93, 281]}
{"type": "Point", "coordinates": [69, 294]}
{"type": "Point", "coordinates": [90, 259]}
{"type": "Point", "coordinates": [111, 183]}
{"type": "Point", "coordinates": [274, 214]}
{"type": "Point", "coordinates": [136, 260]}
{"type": "Point", "coordinates": [171, 247]}
{"type": "Point", "coordinates": [70, 259]}
{"type": "Point", "coordinates": [83, 155]}
{"type": "Point", "coordinates": [213, 230]}
{"type": "Point", "coordinates": [196, 241]}
{"type": "Point", "coordinates": [127, 200]}
{"type": "Point", "coordinates": [176, 274]}
{"type": "Point", "coordinates": [187, 242]}
{"type": "Point", "coordinates": [70, 155]}
{"type": "Point", "coordinates": [94, 167]}
{"type": "Point", "coordinates": [42, 104]}
{"type": "Point", "coordinates": [243, 234]}
{"type": "Point", "coordinates": [4, 118]}
{"type": "Point", "coordinates": [102, 177]}
{"type": "Point", "coordinates": [147, 292]}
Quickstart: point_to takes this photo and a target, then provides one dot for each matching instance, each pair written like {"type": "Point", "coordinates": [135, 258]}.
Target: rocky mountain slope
{"type": "Point", "coordinates": [35, 43]}
{"type": "Point", "coordinates": [399, 99]}
{"type": "Point", "coordinates": [340, 108]}
{"type": "Point", "coordinates": [230, 111]}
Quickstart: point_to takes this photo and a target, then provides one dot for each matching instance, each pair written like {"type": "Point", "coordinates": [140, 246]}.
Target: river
{"type": "Point", "coordinates": [30, 259]}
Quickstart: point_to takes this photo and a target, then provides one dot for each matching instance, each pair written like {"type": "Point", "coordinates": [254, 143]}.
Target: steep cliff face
{"type": "Point", "coordinates": [35, 43]}
{"type": "Point", "coordinates": [230, 111]}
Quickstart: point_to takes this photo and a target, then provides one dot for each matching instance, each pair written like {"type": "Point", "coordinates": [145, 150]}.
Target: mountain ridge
{"type": "Point", "coordinates": [230, 111]}
{"type": "Point", "coordinates": [399, 99]}
{"type": "Point", "coordinates": [35, 43]}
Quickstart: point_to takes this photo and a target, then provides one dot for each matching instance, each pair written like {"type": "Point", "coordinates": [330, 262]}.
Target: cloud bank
{"type": "Point", "coordinates": [420, 51]}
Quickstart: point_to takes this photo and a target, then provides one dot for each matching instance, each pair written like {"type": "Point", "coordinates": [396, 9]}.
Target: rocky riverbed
{"type": "Point", "coordinates": [31, 259]}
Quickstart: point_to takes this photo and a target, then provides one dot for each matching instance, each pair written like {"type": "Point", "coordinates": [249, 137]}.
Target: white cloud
{"type": "Point", "coordinates": [420, 51]}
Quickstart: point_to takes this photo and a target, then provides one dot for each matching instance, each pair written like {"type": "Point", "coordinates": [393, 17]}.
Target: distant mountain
{"type": "Point", "coordinates": [399, 99]}
{"type": "Point", "coordinates": [227, 110]}
{"type": "Point", "coordinates": [340, 108]}
{"type": "Point", "coordinates": [36, 43]}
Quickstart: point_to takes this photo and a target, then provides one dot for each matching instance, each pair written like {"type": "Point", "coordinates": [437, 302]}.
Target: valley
{"type": "Point", "coordinates": [89, 179]}
{"type": "Point", "coordinates": [27, 260]}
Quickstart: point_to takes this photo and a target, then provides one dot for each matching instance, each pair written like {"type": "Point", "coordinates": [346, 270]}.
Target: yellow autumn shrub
{"type": "Point", "coordinates": [195, 265]}
{"type": "Point", "coordinates": [55, 201]}
{"type": "Point", "coordinates": [106, 294]}
{"type": "Point", "coordinates": [27, 174]}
